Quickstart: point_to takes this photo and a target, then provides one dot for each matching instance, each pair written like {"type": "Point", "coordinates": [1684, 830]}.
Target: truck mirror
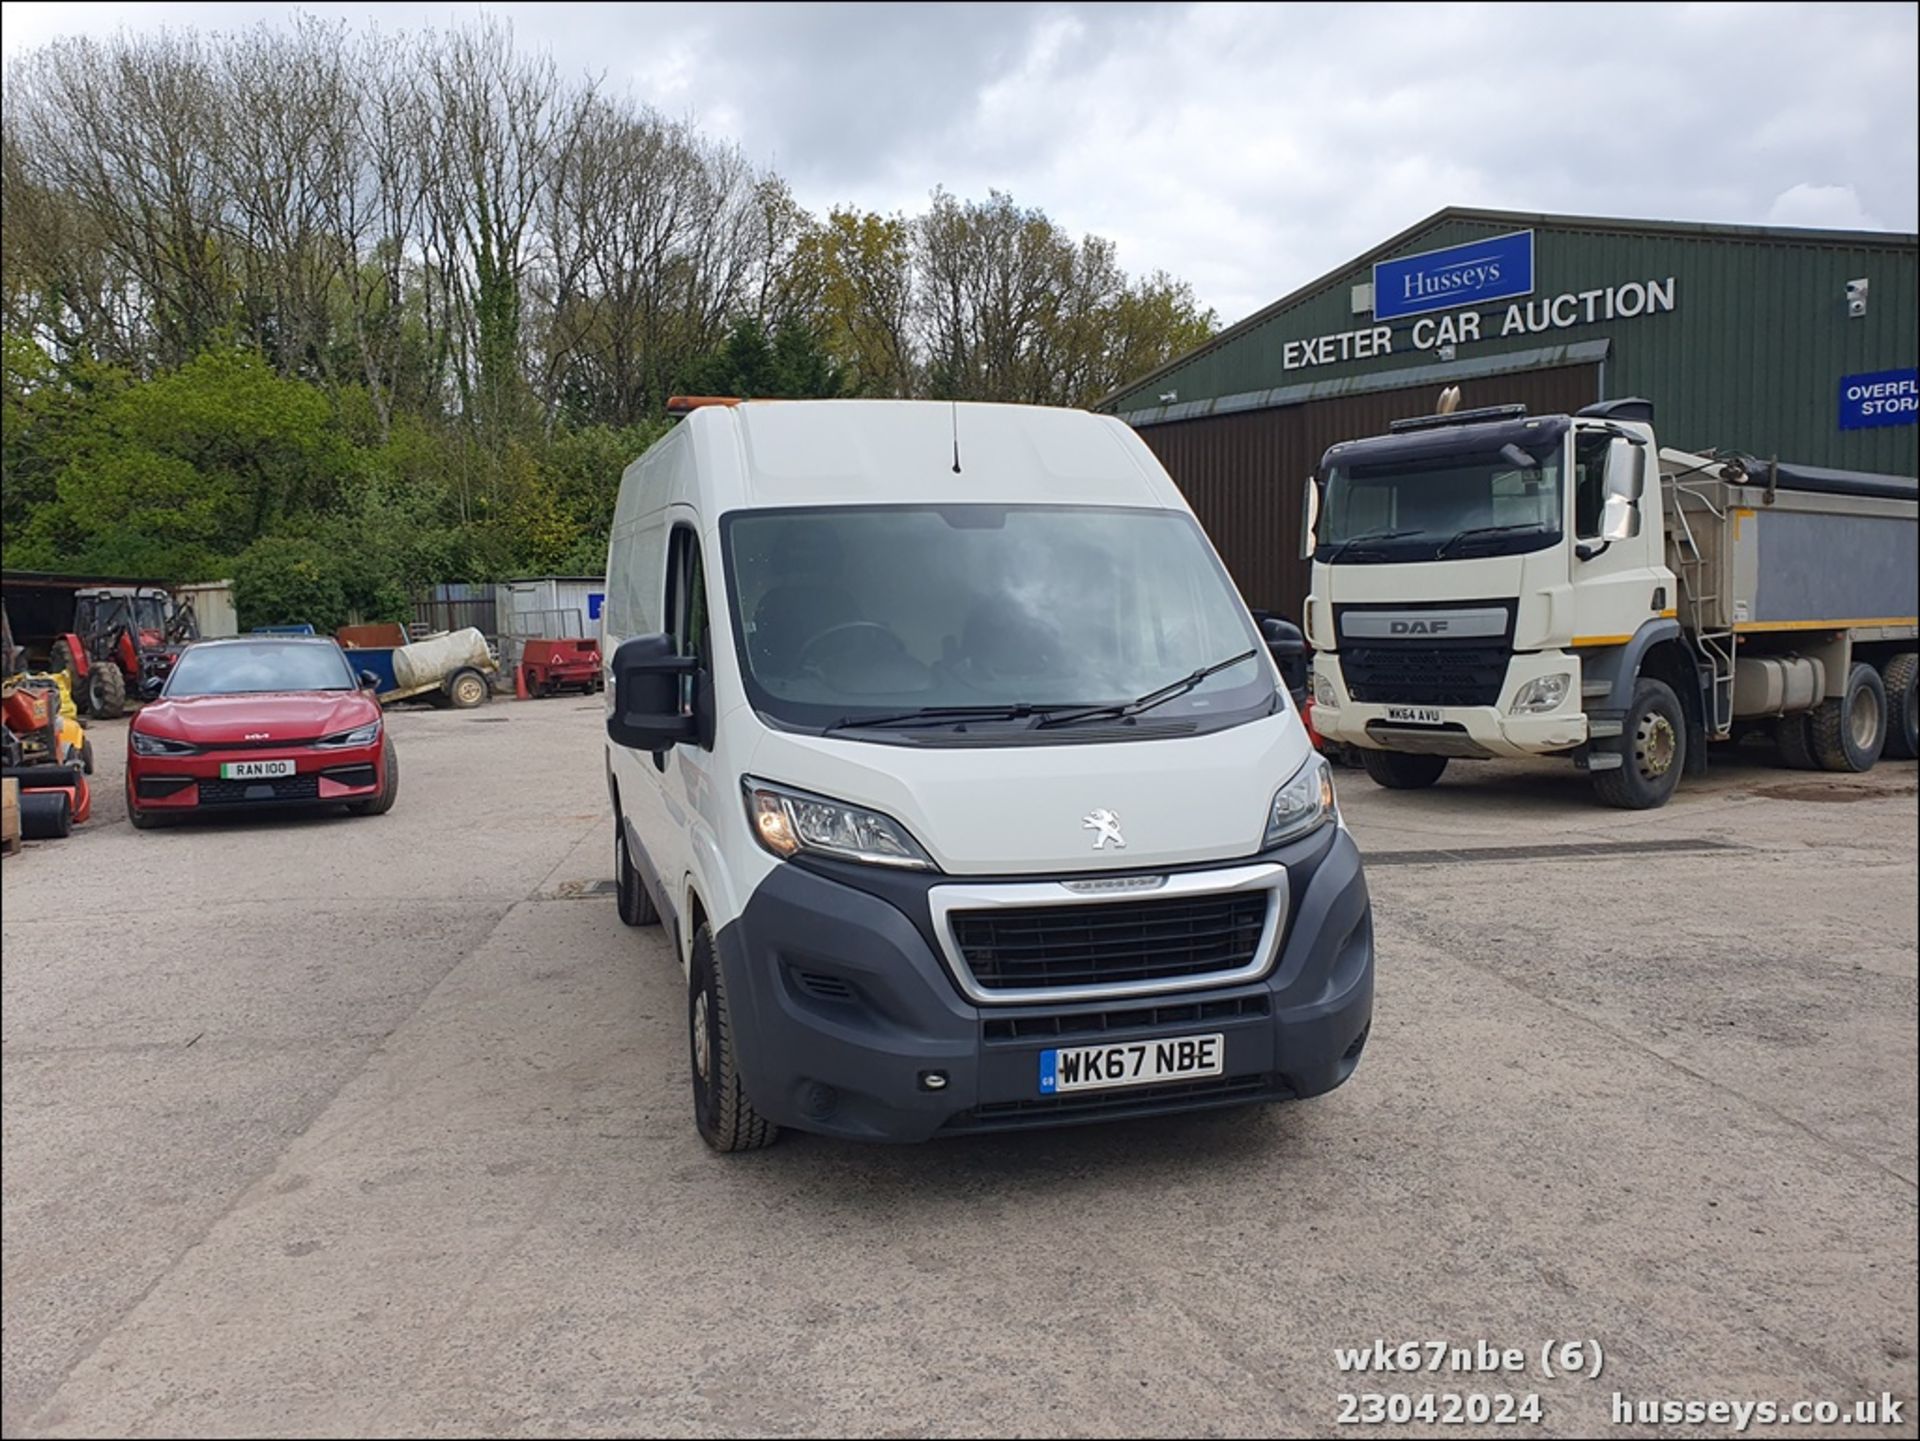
{"type": "Point", "coordinates": [1619, 519]}
{"type": "Point", "coordinates": [1627, 470]}
{"type": "Point", "coordinates": [647, 714]}
{"type": "Point", "coordinates": [1309, 516]}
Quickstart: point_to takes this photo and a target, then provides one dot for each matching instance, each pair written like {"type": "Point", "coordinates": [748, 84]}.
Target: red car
{"type": "Point", "coordinates": [260, 721]}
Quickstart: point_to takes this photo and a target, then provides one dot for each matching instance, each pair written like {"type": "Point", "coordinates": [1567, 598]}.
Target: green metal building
{"type": "Point", "coordinates": [1799, 344]}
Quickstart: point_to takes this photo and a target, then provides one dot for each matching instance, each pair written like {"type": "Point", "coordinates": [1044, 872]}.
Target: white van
{"type": "Point", "coordinates": [963, 781]}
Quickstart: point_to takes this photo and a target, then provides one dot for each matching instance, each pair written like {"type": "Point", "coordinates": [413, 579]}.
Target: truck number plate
{"type": "Point", "coordinates": [1139, 1063]}
{"type": "Point", "coordinates": [1418, 715]}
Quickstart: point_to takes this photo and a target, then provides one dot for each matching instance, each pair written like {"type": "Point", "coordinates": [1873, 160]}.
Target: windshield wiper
{"type": "Point", "coordinates": [1152, 698]}
{"type": "Point", "coordinates": [1458, 536]}
{"type": "Point", "coordinates": [943, 715]}
{"type": "Point", "coordinates": [1342, 547]}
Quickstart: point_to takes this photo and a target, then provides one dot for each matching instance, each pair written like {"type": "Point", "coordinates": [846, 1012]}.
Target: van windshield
{"type": "Point", "coordinates": [885, 615]}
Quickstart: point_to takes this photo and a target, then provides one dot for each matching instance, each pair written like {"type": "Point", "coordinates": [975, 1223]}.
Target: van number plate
{"type": "Point", "coordinates": [1140, 1063]}
{"type": "Point", "coordinates": [1418, 715]}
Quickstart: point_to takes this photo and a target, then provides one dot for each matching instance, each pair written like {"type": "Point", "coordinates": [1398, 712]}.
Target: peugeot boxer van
{"type": "Point", "coordinates": [963, 781]}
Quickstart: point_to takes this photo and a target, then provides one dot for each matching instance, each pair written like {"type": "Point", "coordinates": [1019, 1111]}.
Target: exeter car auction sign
{"type": "Point", "coordinates": [1881, 397]}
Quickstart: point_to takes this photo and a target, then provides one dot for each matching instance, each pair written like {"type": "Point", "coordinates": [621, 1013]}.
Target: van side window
{"type": "Point", "coordinates": [686, 609]}
{"type": "Point", "coordinates": [1590, 452]}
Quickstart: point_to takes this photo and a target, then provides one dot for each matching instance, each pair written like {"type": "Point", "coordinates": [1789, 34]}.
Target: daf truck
{"type": "Point", "coordinates": [1492, 583]}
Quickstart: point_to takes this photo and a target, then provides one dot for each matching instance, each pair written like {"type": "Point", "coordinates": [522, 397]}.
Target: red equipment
{"type": "Point", "coordinates": [547, 665]}
{"type": "Point", "coordinates": [124, 642]}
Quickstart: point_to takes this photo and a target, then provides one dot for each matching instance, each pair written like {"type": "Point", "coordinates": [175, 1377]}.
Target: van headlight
{"type": "Point", "coordinates": [1302, 805]}
{"type": "Point", "coordinates": [1542, 693]}
{"type": "Point", "coordinates": [788, 822]}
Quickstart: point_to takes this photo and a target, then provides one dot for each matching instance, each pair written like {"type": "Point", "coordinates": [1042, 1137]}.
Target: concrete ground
{"type": "Point", "coordinates": [380, 1126]}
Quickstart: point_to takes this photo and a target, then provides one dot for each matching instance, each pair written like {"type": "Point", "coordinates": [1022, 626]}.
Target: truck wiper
{"type": "Point", "coordinates": [1152, 698]}
{"type": "Point", "coordinates": [943, 715]}
{"type": "Point", "coordinates": [1458, 536]}
{"type": "Point", "coordinates": [1344, 546]}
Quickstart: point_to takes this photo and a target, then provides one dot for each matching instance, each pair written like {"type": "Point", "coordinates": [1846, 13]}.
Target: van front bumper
{"type": "Point", "coordinates": [845, 1014]}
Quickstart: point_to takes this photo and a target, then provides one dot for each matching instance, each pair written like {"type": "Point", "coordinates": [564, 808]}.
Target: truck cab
{"type": "Point", "coordinates": [1493, 584]}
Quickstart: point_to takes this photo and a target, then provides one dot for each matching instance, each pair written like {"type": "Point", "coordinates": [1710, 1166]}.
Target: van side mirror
{"type": "Point", "coordinates": [1309, 517]}
{"type": "Point", "coordinates": [646, 713]}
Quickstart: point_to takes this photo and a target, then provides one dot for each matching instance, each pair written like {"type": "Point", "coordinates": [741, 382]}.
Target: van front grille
{"type": "Point", "coordinates": [1110, 942]}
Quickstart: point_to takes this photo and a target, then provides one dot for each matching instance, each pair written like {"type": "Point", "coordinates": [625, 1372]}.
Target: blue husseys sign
{"type": "Point", "coordinates": [1496, 268]}
{"type": "Point", "coordinates": [1881, 397]}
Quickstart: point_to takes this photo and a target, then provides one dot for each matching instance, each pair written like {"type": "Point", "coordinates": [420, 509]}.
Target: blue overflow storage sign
{"type": "Point", "coordinates": [1497, 268]}
{"type": "Point", "coordinates": [1880, 397]}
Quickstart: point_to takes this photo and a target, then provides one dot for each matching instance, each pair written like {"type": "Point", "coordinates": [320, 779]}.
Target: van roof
{"type": "Point", "coordinates": [851, 452]}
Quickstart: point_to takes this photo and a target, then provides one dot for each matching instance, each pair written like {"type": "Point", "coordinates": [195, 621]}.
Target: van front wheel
{"type": "Point", "coordinates": [636, 906]}
{"type": "Point", "coordinates": [721, 1110]}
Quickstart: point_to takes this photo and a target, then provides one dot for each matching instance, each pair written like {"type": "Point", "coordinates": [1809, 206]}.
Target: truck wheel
{"type": "Point", "coordinates": [389, 784]}
{"type": "Point", "coordinates": [1849, 729]}
{"type": "Point", "coordinates": [1902, 680]}
{"type": "Point", "coordinates": [467, 689]}
{"type": "Point", "coordinates": [1653, 752]}
{"type": "Point", "coordinates": [1401, 772]}
{"type": "Point", "coordinates": [61, 659]}
{"type": "Point", "coordinates": [1793, 734]}
{"type": "Point", "coordinates": [106, 690]}
{"type": "Point", "coordinates": [721, 1110]}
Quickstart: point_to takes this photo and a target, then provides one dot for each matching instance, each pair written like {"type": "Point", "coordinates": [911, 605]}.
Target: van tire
{"type": "Point", "coordinates": [1653, 750]}
{"type": "Point", "coordinates": [630, 891]}
{"type": "Point", "coordinates": [1850, 729]}
{"type": "Point", "coordinates": [1400, 771]}
{"type": "Point", "coordinates": [1793, 734]}
{"type": "Point", "coordinates": [1902, 680]}
{"type": "Point", "coordinates": [725, 1117]}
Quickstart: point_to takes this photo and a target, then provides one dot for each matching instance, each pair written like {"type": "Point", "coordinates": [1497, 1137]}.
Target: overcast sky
{"type": "Point", "coordinates": [1248, 148]}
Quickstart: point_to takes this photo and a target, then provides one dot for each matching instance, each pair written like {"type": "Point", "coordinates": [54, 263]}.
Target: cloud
{"type": "Point", "coordinates": [1832, 207]}
{"type": "Point", "coordinates": [1249, 149]}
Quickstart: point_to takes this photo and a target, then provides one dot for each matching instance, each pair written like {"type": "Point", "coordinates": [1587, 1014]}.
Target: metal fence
{"type": "Point", "coordinates": [455, 607]}
{"type": "Point", "coordinates": [521, 626]}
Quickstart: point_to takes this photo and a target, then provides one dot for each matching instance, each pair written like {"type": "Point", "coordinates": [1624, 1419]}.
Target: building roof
{"type": "Point", "coordinates": [1519, 220]}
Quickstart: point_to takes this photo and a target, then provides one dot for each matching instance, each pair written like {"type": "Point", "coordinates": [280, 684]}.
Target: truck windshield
{"type": "Point", "coordinates": [1443, 507]}
{"type": "Point", "coordinates": [923, 619]}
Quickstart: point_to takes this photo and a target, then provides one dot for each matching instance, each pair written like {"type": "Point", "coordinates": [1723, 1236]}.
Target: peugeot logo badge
{"type": "Point", "coordinates": [1106, 827]}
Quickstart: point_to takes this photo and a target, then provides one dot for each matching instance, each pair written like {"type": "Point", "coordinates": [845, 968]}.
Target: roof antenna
{"type": "Point", "coordinates": [956, 435]}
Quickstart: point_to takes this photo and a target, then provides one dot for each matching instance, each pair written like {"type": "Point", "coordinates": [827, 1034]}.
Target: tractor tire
{"type": "Point", "coordinates": [62, 659]}
{"type": "Point", "coordinates": [389, 784]}
{"type": "Point", "coordinates": [106, 690]}
{"type": "Point", "coordinates": [636, 906]}
{"type": "Point", "coordinates": [722, 1113]}
{"type": "Point", "coordinates": [45, 815]}
{"type": "Point", "coordinates": [467, 689]}
{"type": "Point", "coordinates": [1654, 750]}
{"type": "Point", "coordinates": [1398, 771]}
{"type": "Point", "coordinates": [1793, 734]}
{"type": "Point", "coordinates": [1901, 676]}
{"type": "Point", "coordinates": [1850, 729]}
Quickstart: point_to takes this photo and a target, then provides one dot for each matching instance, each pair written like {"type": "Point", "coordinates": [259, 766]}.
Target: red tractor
{"type": "Point", "coordinates": [124, 642]}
